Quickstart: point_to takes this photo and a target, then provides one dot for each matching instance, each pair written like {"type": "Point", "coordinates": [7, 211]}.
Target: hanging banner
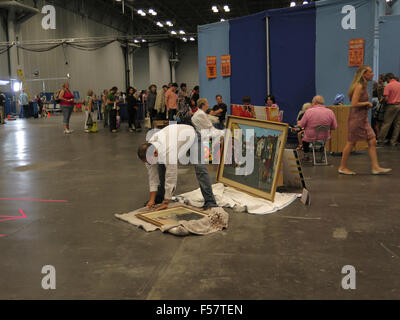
{"type": "Point", "coordinates": [226, 65]}
{"type": "Point", "coordinates": [211, 67]}
{"type": "Point", "coordinates": [356, 52]}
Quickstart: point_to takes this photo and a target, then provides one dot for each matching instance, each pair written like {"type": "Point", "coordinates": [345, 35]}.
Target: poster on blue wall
{"type": "Point", "coordinates": [338, 22]}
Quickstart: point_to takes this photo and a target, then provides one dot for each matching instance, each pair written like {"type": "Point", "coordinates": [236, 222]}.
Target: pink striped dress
{"type": "Point", "coordinates": [359, 127]}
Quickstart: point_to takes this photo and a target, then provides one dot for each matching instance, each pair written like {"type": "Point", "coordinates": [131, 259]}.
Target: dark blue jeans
{"type": "Point", "coordinates": [205, 185]}
{"type": "Point", "coordinates": [202, 177]}
{"type": "Point", "coordinates": [219, 126]}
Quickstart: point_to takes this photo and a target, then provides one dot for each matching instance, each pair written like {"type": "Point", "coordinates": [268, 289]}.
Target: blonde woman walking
{"type": "Point", "coordinates": [359, 127]}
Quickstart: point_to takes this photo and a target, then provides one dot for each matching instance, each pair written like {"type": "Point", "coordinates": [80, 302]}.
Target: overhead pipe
{"type": "Point", "coordinates": [19, 6]}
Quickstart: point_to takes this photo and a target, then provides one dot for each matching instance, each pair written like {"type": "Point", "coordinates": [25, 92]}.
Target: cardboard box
{"type": "Point", "coordinates": [339, 136]}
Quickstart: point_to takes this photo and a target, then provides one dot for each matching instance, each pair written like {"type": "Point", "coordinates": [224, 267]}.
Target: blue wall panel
{"type": "Point", "coordinates": [333, 75]}
{"type": "Point", "coordinates": [389, 46]}
{"type": "Point", "coordinates": [249, 60]}
{"type": "Point", "coordinates": [292, 52]}
{"type": "Point", "coordinates": [213, 40]}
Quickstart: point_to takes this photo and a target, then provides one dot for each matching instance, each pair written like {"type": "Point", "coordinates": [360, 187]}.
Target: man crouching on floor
{"type": "Point", "coordinates": [161, 155]}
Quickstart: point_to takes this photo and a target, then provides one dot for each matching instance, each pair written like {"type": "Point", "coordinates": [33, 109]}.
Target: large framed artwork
{"type": "Point", "coordinates": [171, 216]}
{"type": "Point", "coordinates": [252, 155]}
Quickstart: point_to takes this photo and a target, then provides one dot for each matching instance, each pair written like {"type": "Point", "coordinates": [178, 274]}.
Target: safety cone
{"type": "Point", "coordinates": [48, 115]}
{"type": "Point", "coordinates": [9, 117]}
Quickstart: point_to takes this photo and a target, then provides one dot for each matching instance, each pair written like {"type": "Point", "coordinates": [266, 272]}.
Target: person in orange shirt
{"type": "Point", "coordinates": [171, 101]}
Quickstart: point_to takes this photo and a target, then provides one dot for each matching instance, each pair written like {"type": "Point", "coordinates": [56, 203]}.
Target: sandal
{"type": "Point", "coordinates": [347, 172]}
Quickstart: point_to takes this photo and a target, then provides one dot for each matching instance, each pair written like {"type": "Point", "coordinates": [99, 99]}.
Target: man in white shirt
{"type": "Point", "coordinates": [202, 122]}
{"type": "Point", "coordinates": [161, 155]}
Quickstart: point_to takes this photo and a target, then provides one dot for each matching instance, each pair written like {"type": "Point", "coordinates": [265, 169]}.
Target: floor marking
{"type": "Point", "coordinates": [33, 200]}
{"type": "Point", "coordinates": [8, 218]}
{"type": "Point", "coordinates": [22, 216]}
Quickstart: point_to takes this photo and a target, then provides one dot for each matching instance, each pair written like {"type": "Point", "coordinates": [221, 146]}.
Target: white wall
{"type": "Point", "coordinates": [159, 68]}
{"type": "Point", "coordinates": [98, 69]}
{"type": "Point", "coordinates": [151, 66]}
{"type": "Point", "coordinates": [187, 70]}
{"type": "Point", "coordinates": [94, 70]}
{"type": "Point", "coordinates": [140, 72]}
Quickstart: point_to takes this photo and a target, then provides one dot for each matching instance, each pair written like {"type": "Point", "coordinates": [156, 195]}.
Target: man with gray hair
{"type": "Point", "coordinates": [317, 115]}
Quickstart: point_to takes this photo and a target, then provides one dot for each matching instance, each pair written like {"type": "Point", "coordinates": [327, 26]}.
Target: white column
{"type": "Point", "coordinates": [173, 72]}
{"type": "Point", "coordinates": [378, 13]}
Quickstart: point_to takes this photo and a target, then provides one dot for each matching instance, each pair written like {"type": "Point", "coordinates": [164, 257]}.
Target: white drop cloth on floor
{"type": "Point", "coordinates": [216, 220]}
{"type": "Point", "coordinates": [231, 198]}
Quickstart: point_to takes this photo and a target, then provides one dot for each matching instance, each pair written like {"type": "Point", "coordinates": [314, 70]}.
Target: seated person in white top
{"type": "Point", "coordinates": [161, 155]}
{"type": "Point", "coordinates": [202, 122]}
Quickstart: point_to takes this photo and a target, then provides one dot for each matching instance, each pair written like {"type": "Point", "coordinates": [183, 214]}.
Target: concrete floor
{"type": "Point", "coordinates": [297, 253]}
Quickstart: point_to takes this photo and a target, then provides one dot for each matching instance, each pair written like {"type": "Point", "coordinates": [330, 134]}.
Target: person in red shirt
{"type": "Point", "coordinates": [392, 112]}
{"type": "Point", "coordinates": [247, 109]}
{"type": "Point", "coordinates": [193, 105]}
{"type": "Point", "coordinates": [67, 104]}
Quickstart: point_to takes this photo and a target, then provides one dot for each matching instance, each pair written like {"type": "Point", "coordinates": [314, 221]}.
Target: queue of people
{"type": "Point", "coordinates": [169, 103]}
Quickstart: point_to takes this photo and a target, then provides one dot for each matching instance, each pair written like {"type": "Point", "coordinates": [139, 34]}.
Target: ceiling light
{"type": "Point", "coordinates": [305, 2]}
{"type": "Point", "coordinates": [136, 41]}
{"type": "Point", "coordinates": [292, 4]}
{"type": "Point", "coordinates": [192, 39]}
{"type": "Point", "coordinates": [141, 12]}
{"type": "Point", "coordinates": [160, 24]}
{"type": "Point", "coordinates": [214, 9]}
{"type": "Point", "coordinates": [226, 8]}
{"type": "Point", "coordinates": [152, 12]}
{"type": "Point", "coordinates": [169, 23]}
{"type": "Point", "coordinates": [184, 39]}
{"type": "Point", "coordinates": [181, 32]}
{"type": "Point", "coordinates": [144, 40]}
{"type": "Point", "coordinates": [173, 32]}
{"type": "Point", "coordinates": [222, 19]}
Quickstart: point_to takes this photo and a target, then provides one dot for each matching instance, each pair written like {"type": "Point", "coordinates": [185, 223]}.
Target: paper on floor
{"type": "Point", "coordinates": [231, 198]}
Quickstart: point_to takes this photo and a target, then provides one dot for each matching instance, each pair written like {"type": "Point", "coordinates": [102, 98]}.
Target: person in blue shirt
{"type": "Point", "coordinates": [24, 103]}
